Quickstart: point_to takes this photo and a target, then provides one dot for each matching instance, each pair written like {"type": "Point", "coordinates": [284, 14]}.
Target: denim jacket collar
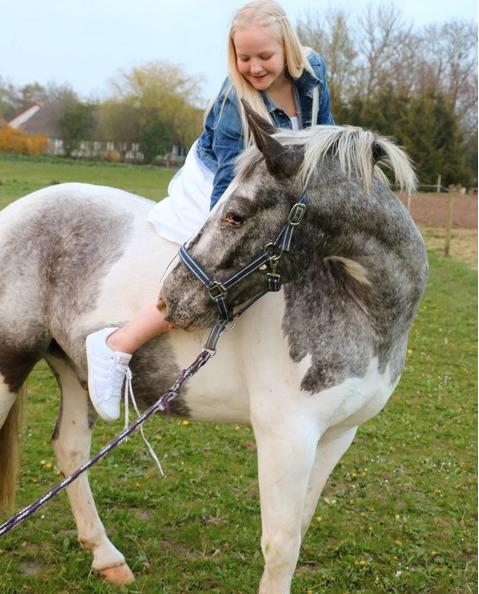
{"type": "Point", "coordinates": [306, 83]}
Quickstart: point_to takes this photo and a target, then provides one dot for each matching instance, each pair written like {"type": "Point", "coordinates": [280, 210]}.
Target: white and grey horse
{"type": "Point", "coordinates": [304, 366]}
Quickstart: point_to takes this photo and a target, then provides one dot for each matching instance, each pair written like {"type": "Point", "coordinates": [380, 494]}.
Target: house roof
{"type": "Point", "coordinates": [39, 119]}
{"type": "Point", "coordinates": [24, 115]}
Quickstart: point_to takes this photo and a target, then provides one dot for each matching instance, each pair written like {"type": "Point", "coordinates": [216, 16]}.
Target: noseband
{"type": "Point", "coordinates": [267, 261]}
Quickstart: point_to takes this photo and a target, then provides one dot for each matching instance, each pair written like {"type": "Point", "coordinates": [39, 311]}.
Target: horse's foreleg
{"type": "Point", "coordinates": [71, 443]}
{"type": "Point", "coordinates": [9, 444]}
{"type": "Point", "coordinates": [331, 447]}
{"type": "Point", "coordinates": [286, 453]}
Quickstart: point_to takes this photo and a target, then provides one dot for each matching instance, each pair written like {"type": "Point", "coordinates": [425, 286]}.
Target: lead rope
{"type": "Point", "coordinates": [160, 405]}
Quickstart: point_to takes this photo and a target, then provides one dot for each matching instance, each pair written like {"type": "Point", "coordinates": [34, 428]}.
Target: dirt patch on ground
{"type": "Point", "coordinates": [430, 210]}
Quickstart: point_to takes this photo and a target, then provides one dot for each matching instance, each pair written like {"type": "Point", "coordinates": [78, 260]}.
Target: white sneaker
{"type": "Point", "coordinates": [107, 370]}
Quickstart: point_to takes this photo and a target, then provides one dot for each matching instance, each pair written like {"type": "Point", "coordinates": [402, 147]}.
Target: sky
{"type": "Point", "coordinates": [87, 43]}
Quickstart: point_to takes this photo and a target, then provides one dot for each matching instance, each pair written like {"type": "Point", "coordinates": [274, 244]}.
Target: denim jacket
{"type": "Point", "coordinates": [222, 137]}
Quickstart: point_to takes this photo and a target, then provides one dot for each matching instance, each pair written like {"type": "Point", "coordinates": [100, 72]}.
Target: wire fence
{"type": "Point", "coordinates": [435, 189]}
{"type": "Point", "coordinates": [453, 193]}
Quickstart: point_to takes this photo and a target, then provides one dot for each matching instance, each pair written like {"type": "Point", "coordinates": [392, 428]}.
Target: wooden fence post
{"type": "Point", "coordinates": [438, 185]}
{"type": "Point", "coordinates": [450, 213]}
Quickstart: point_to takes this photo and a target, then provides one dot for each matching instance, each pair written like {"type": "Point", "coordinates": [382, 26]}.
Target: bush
{"type": "Point", "coordinates": [16, 141]}
{"type": "Point", "coordinates": [112, 155]}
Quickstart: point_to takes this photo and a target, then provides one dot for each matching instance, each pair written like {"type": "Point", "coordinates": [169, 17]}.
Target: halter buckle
{"type": "Point", "coordinates": [216, 290]}
{"type": "Point", "coordinates": [296, 214]}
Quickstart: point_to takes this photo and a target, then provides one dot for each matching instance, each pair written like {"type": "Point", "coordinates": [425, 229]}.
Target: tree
{"type": "Point", "coordinates": [424, 123]}
{"type": "Point", "coordinates": [9, 102]}
{"type": "Point", "coordinates": [76, 124]}
{"type": "Point", "coordinates": [118, 121]}
{"type": "Point", "coordinates": [417, 85]}
{"type": "Point", "coordinates": [382, 35]}
{"type": "Point", "coordinates": [165, 93]}
{"type": "Point", "coordinates": [32, 93]}
{"type": "Point", "coordinates": [331, 36]}
{"type": "Point", "coordinates": [448, 62]}
{"type": "Point", "coordinates": [62, 93]}
{"type": "Point", "coordinates": [155, 137]}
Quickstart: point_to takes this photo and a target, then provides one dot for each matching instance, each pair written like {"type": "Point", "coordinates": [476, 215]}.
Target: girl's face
{"type": "Point", "coordinates": [259, 57]}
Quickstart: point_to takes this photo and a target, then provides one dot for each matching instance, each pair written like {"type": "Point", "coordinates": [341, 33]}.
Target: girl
{"type": "Point", "coordinates": [286, 84]}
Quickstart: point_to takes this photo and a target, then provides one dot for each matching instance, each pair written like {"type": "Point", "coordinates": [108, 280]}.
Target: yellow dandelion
{"type": "Point", "coordinates": [47, 466]}
{"type": "Point", "coordinates": [185, 423]}
{"type": "Point", "coordinates": [398, 542]}
{"type": "Point", "coordinates": [318, 518]}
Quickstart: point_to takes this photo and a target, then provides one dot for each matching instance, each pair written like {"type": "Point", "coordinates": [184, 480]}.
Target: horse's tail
{"type": "Point", "coordinates": [10, 452]}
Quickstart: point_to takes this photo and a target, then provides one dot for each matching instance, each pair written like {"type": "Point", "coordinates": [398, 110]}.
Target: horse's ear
{"type": "Point", "coordinates": [261, 122]}
{"type": "Point", "coordinates": [281, 161]}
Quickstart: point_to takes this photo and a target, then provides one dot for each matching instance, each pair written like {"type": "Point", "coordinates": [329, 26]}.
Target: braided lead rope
{"type": "Point", "coordinates": [160, 405]}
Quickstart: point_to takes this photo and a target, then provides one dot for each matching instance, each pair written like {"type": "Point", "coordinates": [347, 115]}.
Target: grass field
{"type": "Point", "coordinates": [398, 515]}
{"type": "Point", "coordinates": [20, 176]}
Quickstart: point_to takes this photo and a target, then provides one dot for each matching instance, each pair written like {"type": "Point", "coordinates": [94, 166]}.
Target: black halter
{"type": "Point", "coordinates": [267, 261]}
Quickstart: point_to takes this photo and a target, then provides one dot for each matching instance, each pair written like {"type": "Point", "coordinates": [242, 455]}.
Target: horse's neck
{"type": "Point", "coordinates": [372, 228]}
{"type": "Point", "coordinates": [360, 253]}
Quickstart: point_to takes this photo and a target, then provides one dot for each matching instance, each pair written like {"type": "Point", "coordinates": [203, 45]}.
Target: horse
{"type": "Point", "coordinates": [305, 365]}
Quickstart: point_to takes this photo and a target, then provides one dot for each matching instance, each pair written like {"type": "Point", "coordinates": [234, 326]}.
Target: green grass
{"type": "Point", "coordinates": [398, 514]}
{"type": "Point", "coordinates": [21, 175]}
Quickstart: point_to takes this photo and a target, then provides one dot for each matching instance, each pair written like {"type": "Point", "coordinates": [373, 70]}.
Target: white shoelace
{"type": "Point", "coordinates": [128, 394]}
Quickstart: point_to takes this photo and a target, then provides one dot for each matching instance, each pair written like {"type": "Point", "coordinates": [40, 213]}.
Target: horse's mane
{"type": "Point", "coordinates": [356, 149]}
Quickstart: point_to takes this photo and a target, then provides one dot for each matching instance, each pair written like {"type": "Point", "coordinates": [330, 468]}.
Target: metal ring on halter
{"type": "Point", "coordinates": [274, 249]}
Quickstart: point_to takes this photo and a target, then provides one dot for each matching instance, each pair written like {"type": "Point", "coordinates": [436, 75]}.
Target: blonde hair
{"type": "Point", "coordinates": [268, 14]}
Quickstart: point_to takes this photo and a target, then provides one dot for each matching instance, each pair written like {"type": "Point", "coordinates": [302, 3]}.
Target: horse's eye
{"type": "Point", "coordinates": [234, 219]}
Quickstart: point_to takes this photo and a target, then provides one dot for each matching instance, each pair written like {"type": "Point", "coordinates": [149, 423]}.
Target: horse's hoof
{"type": "Point", "coordinates": [119, 575]}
